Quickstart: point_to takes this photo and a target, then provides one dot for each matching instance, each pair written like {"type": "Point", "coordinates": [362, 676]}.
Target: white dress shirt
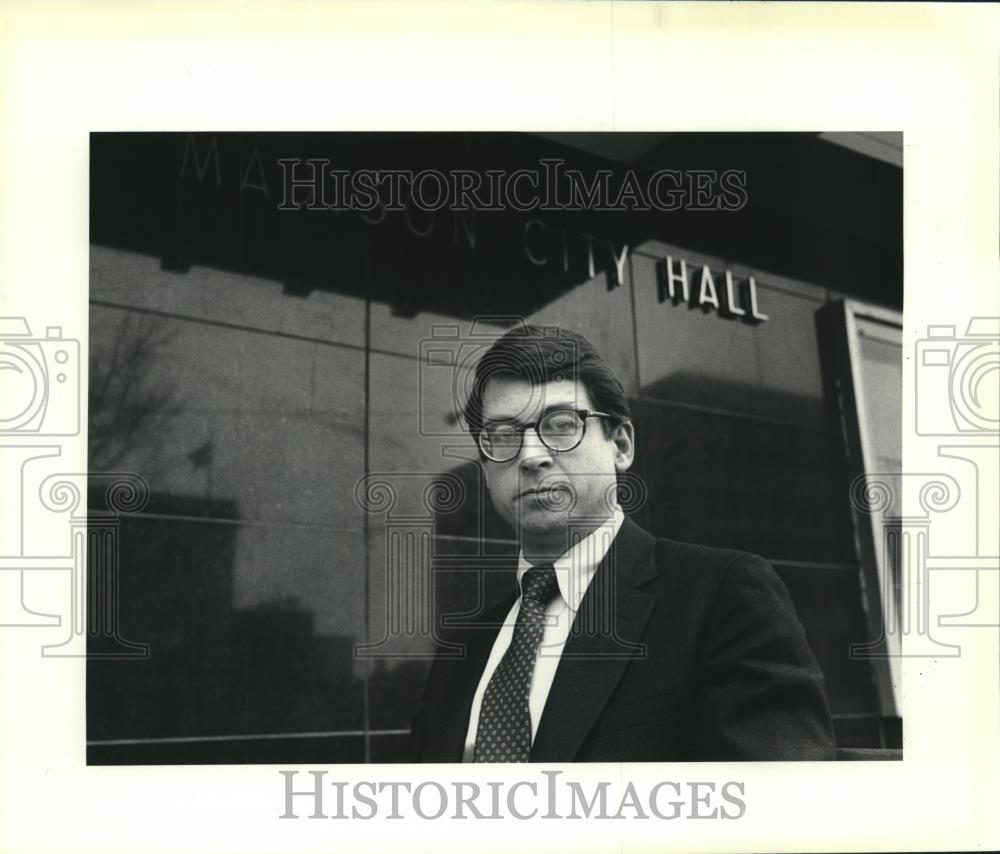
{"type": "Point", "coordinates": [574, 570]}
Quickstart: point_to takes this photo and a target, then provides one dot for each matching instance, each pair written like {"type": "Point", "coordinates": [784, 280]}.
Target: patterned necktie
{"type": "Point", "coordinates": [504, 731]}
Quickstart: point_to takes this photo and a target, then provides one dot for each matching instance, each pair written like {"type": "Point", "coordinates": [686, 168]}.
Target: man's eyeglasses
{"type": "Point", "coordinates": [559, 430]}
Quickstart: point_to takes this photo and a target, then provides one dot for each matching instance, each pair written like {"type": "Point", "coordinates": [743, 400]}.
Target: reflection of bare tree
{"type": "Point", "coordinates": [127, 405]}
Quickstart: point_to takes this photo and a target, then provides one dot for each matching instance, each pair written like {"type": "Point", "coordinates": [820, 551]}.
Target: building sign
{"type": "Point", "coordinates": [676, 280]}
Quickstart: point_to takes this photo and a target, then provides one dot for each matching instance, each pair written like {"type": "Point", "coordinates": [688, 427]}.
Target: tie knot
{"type": "Point", "coordinates": [539, 585]}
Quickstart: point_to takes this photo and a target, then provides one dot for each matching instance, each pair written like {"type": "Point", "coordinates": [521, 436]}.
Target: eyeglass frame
{"type": "Point", "coordinates": [582, 414]}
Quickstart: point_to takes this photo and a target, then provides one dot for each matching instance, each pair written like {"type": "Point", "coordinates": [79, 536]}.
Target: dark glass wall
{"type": "Point", "coordinates": [277, 377]}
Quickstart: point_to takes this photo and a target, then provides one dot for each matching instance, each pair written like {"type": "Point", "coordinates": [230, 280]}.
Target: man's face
{"type": "Point", "coordinates": [543, 493]}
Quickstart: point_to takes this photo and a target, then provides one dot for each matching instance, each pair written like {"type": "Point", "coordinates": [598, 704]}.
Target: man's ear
{"type": "Point", "coordinates": [624, 440]}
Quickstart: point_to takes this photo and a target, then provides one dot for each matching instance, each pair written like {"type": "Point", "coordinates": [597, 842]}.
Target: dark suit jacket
{"type": "Point", "coordinates": [678, 652]}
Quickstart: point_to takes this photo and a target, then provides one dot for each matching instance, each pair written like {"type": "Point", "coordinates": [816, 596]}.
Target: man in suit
{"type": "Point", "coordinates": [615, 645]}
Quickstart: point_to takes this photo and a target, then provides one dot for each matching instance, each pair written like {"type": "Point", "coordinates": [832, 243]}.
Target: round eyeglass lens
{"type": "Point", "coordinates": [501, 442]}
{"type": "Point", "coordinates": [560, 429]}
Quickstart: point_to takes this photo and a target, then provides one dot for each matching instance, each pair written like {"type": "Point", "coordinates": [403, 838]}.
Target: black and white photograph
{"type": "Point", "coordinates": [378, 385]}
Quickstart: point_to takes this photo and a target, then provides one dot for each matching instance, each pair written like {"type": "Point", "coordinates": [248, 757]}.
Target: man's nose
{"type": "Point", "coordinates": [534, 454]}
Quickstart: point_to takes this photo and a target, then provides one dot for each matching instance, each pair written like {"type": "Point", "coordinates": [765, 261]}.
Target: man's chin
{"type": "Point", "coordinates": [539, 520]}
{"type": "Point", "coordinates": [544, 536]}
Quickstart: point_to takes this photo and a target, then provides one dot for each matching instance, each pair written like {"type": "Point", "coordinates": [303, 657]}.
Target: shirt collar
{"type": "Point", "coordinates": [576, 567]}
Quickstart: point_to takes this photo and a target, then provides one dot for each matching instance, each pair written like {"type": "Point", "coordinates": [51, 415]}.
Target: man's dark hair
{"type": "Point", "coordinates": [540, 354]}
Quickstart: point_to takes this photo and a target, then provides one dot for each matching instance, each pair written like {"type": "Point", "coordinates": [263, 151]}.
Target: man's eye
{"type": "Point", "coordinates": [501, 433]}
{"type": "Point", "coordinates": [561, 423]}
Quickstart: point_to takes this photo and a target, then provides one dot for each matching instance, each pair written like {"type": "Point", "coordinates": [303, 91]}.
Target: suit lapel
{"type": "Point", "coordinates": [603, 640]}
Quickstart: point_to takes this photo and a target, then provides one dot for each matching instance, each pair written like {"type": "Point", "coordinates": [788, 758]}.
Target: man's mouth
{"type": "Point", "coordinates": [541, 491]}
